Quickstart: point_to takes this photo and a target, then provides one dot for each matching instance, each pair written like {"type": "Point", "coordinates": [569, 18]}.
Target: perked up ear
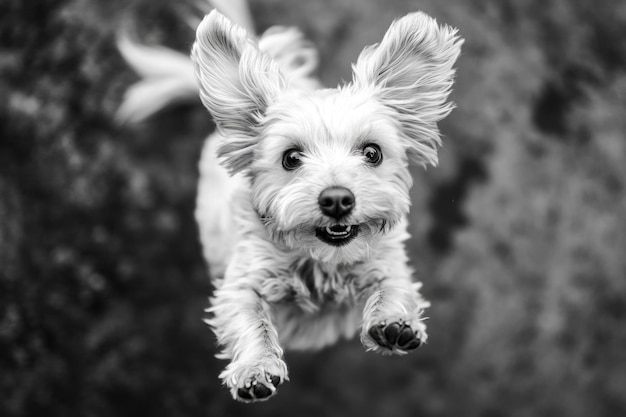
{"type": "Point", "coordinates": [237, 84]}
{"type": "Point", "coordinates": [411, 71]}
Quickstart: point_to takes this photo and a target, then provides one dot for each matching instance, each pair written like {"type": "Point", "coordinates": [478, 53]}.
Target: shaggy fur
{"type": "Point", "coordinates": [288, 273]}
{"type": "Point", "coordinates": [283, 286]}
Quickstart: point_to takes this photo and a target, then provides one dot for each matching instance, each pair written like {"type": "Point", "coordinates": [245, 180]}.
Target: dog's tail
{"type": "Point", "coordinates": [167, 76]}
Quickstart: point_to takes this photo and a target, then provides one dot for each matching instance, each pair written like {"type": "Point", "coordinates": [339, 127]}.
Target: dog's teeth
{"type": "Point", "coordinates": [345, 231]}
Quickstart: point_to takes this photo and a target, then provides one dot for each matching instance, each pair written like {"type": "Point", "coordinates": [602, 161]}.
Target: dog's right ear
{"type": "Point", "coordinates": [237, 84]}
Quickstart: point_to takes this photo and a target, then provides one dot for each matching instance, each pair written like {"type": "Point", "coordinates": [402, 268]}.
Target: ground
{"type": "Point", "coordinates": [519, 236]}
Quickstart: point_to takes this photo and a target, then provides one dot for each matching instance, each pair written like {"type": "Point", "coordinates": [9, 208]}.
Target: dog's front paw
{"type": "Point", "coordinates": [395, 336]}
{"type": "Point", "coordinates": [258, 388]}
{"type": "Point", "coordinates": [250, 382]}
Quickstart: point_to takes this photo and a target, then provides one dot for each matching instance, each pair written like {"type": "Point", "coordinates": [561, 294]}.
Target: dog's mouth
{"type": "Point", "coordinates": [338, 234]}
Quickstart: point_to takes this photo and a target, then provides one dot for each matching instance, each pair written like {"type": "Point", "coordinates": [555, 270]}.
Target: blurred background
{"type": "Point", "coordinates": [519, 235]}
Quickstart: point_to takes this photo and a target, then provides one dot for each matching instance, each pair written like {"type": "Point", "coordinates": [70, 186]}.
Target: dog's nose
{"type": "Point", "coordinates": [336, 202]}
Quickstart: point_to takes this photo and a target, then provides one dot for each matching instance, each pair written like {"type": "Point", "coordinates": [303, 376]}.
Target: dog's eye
{"type": "Point", "coordinates": [373, 154]}
{"type": "Point", "coordinates": [292, 159]}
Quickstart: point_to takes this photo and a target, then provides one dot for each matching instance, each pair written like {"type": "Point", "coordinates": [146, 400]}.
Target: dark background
{"type": "Point", "coordinates": [519, 235]}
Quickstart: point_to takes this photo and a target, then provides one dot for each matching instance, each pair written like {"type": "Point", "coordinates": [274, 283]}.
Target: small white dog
{"type": "Point", "coordinates": [304, 194]}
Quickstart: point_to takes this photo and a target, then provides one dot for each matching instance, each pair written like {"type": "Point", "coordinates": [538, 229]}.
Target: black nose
{"type": "Point", "coordinates": [336, 202]}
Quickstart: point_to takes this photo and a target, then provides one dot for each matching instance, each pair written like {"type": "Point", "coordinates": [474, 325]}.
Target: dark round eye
{"type": "Point", "coordinates": [292, 159]}
{"type": "Point", "coordinates": [373, 154]}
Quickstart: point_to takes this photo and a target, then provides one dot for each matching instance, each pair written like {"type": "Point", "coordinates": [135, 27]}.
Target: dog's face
{"type": "Point", "coordinates": [329, 174]}
{"type": "Point", "coordinates": [329, 168]}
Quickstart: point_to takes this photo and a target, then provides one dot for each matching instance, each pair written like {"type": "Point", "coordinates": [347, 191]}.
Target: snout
{"type": "Point", "coordinates": [336, 202]}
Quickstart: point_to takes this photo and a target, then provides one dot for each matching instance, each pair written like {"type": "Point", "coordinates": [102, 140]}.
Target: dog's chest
{"type": "Point", "coordinates": [312, 286]}
{"type": "Point", "coordinates": [323, 284]}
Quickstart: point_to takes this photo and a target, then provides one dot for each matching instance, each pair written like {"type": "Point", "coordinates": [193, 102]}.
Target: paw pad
{"type": "Point", "coordinates": [395, 335]}
{"type": "Point", "coordinates": [255, 390]}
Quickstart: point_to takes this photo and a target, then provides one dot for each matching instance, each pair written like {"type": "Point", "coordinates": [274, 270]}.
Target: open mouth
{"type": "Point", "coordinates": [338, 234]}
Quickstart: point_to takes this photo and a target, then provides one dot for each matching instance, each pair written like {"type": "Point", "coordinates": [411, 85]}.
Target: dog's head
{"type": "Point", "coordinates": [329, 168]}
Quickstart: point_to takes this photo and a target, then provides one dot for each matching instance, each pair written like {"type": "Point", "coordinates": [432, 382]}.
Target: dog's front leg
{"type": "Point", "coordinates": [392, 317]}
{"type": "Point", "coordinates": [243, 325]}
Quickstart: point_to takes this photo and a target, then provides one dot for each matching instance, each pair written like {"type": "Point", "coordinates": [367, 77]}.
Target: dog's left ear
{"type": "Point", "coordinates": [411, 71]}
{"type": "Point", "coordinates": [237, 84]}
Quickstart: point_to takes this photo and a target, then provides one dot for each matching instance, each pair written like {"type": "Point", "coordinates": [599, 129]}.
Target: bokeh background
{"type": "Point", "coordinates": [519, 236]}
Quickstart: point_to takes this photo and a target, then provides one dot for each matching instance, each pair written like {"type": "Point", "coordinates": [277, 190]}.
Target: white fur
{"type": "Point", "coordinates": [412, 71]}
{"type": "Point", "coordinates": [284, 287]}
{"type": "Point", "coordinates": [277, 285]}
